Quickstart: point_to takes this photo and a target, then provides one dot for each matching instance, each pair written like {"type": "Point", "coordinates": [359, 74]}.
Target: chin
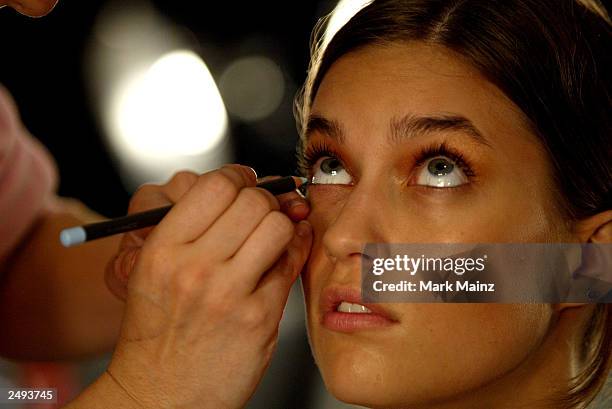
{"type": "Point", "coordinates": [349, 381]}
{"type": "Point", "coordinates": [357, 378]}
{"type": "Point", "coordinates": [357, 371]}
{"type": "Point", "coordinates": [384, 370]}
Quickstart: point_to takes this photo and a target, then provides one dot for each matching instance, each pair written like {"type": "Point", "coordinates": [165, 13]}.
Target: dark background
{"type": "Point", "coordinates": [42, 65]}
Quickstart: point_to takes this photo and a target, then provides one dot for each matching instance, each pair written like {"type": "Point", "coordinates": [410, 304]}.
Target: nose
{"type": "Point", "coordinates": [361, 219]}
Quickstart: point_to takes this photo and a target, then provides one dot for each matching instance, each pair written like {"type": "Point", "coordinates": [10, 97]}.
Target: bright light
{"type": "Point", "coordinates": [343, 12]}
{"type": "Point", "coordinates": [252, 87]}
{"type": "Point", "coordinates": [174, 108]}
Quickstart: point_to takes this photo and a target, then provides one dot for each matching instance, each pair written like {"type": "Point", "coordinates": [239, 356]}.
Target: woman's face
{"type": "Point", "coordinates": [474, 173]}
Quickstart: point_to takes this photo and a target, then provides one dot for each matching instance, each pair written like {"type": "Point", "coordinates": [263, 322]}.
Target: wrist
{"type": "Point", "coordinates": [153, 387]}
{"type": "Point", "coordinates": [105, 392]}
{"type": "Point", "coordinates": [121, 390]}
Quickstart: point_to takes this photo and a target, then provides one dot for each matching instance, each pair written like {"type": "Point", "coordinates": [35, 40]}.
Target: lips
{"type": "Point", "coordinates": [343, 311]}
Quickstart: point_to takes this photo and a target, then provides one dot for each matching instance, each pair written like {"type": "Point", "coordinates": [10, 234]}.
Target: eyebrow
{"type": "Point", "coordinates": [331, 128]}
{"type": "Point", "coordinates": [404, 127]}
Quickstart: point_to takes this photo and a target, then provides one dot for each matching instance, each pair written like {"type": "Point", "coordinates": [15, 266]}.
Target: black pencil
{"type": "Point", "coordinates": [80, 234]}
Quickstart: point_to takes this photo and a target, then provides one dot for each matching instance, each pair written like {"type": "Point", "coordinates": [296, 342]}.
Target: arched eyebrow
{"type": "Point", "coordinates": [328, 127]}
{"type": "Point", "coordinates": [404, 127]}
{"type": "Point", "coordinates": [412, 125]}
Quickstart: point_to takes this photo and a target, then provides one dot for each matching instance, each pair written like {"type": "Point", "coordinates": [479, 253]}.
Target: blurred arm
{"type": "Point", "coordinates": [54, 303]}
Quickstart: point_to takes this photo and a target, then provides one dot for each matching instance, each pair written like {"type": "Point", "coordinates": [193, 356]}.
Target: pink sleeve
{"type": "Point", "coordinates": [28, 177]}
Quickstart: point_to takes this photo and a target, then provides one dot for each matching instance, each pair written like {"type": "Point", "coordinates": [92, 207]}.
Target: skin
{"type": "Point", "coordinates": [65, 309]}
{"type": "Point", "coordinates": [415, 363]}
{"type": "Point", "coordinates": [32, 8]}
{"type": "Point", "coordinates": [185, 303]}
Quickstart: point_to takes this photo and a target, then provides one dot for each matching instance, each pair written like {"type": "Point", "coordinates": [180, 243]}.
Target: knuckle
{"type": "Point", "coordinates": [256, 199]}
{"type": "Point", "coordinates": [146, 189]}
{"type": "Point", "coordinates": [184, 179]}
{"type": "Point", "coordinates": [254, 318]}
{"type": "Point", "coordinates": [154, 258]}
{"type": "Point", "coordinates": [195, 278]}
{"type": "Point", "coordinates": [142, 196]}
{"type": "Point", "coordinates": [187, 282]}
{"type": "Point", "coordinates": [220, 185]}
{"type": "Point", "coordinates": [280, 223]}
{"type": "Point", "coordinates": [245, 172]}
{"type": "Point", "coordinates": [217, 306]}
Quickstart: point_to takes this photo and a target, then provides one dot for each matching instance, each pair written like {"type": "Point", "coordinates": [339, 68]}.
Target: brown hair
{"type": "Point", "coordinates": [552, 59]}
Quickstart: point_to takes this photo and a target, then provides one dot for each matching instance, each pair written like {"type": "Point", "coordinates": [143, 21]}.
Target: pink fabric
{"type": "Point", "coordinates": [28, 177]}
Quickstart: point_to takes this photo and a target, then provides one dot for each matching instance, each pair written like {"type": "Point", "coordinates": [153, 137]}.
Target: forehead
{"type": "Point", "coordinates": [366, 89]}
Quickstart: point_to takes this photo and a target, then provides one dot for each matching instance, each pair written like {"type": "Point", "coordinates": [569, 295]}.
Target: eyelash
{"type": "Point", "coordinates": [319, 149]}
{"type": "Point", "coordinates": [313, 153]}
{"type": "Point", "coordinates": [442, 149]}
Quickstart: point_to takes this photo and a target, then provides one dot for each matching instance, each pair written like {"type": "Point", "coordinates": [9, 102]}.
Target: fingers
{"type": "Point", "coordinates": [149, 196]}
{"type": "Point", "coordinates": [146, 197]}
{"type": "Point", "coordinates": [222, 214]}
{"type": "Point", "coordinates": [294, 206]}
{"type": "Point", "coordinates": [235, 225]}
{"type": "Point", "coordinates": [279, 279]}
{"type": "Point", "coordinates": [207, 199]}
{"type": "Point", "coordinates": [262, 249]}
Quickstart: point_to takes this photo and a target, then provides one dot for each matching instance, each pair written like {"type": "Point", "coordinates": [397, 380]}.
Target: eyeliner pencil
{"type": "Point", "coordinates": [80, 234]}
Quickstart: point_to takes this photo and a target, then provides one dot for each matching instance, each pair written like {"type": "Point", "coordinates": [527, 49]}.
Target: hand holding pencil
{"type": "Point", "coordinates": [211, 278]}
{"type": "Point", "coordinates": [152, 202]}
{"type": "Point", "coordinates": [80, 234]}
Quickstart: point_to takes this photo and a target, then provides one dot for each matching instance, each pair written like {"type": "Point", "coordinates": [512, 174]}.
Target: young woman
{"type": "Point", "coordinates": [458, 121]}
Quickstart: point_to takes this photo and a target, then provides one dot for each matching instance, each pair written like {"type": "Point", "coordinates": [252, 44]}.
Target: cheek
{"type": "Point", "coordinates": [480, 332]}
{"type": "Point", "coordinates": [324, 198]}
{"type": "Point", "coordinates": [497, 214]}
{"type": "Point", "coordinates": [438, 351]}
{"type": "Point", "coordinates": [318, 265]}
{"type": "Point", "coordinates": [326, 203]}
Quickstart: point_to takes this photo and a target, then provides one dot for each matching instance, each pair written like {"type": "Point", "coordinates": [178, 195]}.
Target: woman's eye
{"type": "Point", "coordinates": [441, 172]}
{"type": "Point", "coordinates": [329, 170]}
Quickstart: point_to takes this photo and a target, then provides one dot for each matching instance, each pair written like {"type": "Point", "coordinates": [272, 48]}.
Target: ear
{"type": "Point", "coordinates": [595, 229]}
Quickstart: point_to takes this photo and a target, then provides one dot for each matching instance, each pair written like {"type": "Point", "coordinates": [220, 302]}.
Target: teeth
{"type": "Point", "coordinates": [352, 308]}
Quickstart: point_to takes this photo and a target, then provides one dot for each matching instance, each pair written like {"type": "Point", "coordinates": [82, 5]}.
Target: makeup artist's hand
{"type": "Point", "coordinates": [150, 196]}
{"type": "Point", "coordinates": [207, 289]}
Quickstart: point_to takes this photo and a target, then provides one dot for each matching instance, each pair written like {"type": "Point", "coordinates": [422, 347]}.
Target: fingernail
{"type": "Point", "coordinates": [251, 169]}
{"type": "Point", "coordinates": [296, 203]}
{"type": "Point", "coordinates": [303, 228]}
